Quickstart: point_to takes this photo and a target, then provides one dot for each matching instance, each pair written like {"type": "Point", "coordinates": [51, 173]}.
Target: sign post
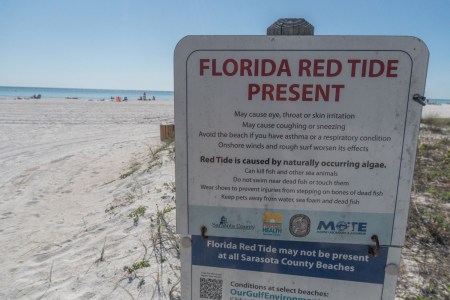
{"type": "Point", "coordinates": [294, 165]}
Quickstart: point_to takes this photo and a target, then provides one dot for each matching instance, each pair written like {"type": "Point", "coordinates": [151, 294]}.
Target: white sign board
{"type": "Point", "coordinates": [295, 142]}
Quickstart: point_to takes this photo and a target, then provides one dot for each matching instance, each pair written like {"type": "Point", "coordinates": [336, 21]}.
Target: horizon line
{"type": "Point", "coordinates": [80, 88]}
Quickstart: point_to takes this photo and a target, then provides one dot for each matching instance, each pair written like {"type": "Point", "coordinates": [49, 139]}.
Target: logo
{"type": "Point", "coordinates": [299, 225]}
{"type": "Point", "coordinates": [272, 223]}
{"type": "Point", "coordinates": [225, 224]}
{"type": "Point", "coordinates": [223, 221]}
{"type": "Point", "coordinates": [342, 227]}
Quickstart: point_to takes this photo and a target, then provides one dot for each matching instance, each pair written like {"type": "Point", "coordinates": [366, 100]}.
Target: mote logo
{"type": "Point", "coordinates": [342, 227]}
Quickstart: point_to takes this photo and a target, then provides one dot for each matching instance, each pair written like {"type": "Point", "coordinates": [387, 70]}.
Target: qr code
{"type": "Point", "coordinates": [210, 288]}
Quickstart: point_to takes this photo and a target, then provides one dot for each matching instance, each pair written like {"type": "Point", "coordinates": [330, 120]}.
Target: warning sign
{"type": "Point", "coordinates": [296, 140]}
{"type": "Point", "coordinates": [322, 126]}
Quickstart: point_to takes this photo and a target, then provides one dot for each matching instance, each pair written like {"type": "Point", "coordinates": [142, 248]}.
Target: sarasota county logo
{"type": "Point", "coordinates": [299, 225]}
{"type": "Point", "coordinates": [223, 220]}
{"type": "Point", "coordinates": [225, 223]}
{"type": "Point", "coordinates": [272, 223]}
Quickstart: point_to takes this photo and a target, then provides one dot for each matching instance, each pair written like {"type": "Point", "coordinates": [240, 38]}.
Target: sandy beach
{"type": "Point", "coordinates": [436, 111]}
{"type": "Point", "coordinates": [62, 199]}
{"type": "Point", "coordinates": [65, 229]}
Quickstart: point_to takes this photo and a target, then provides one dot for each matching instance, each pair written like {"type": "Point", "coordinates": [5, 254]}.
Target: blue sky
{"type": "Point", "coordinates": [128, 44]}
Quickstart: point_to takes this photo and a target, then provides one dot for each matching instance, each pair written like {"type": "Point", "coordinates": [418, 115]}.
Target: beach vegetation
{"type": "Point", "coordinates": [165, 244]}
{"type": "Point", "coordinates": [435, 121]}
{"type": "Point", "coordinates": [132, 169]}
{"type": "Point", "coordinates": [428, 235]}
{"type": "Point", "coordinates": [436, 125]}
{"type": "Point", "coordinates": [432, 172]}
{"type": "Point", "coordinates": [140, 264]}
{"type": "Point", "coordinates": [155, 160]}
{"type": "Point", "coordinates": [170, 186]}
{"type": "Point", "coordinates": [135, 214]}
{"type": "Point", "coordinates": [432, 178]}
{"type": "Point", "coordinates": [102, 253]}
{"type": "Point", "coordinates": [154, 164]}
{"type": "Point", "coordinates": [159, 262]}
{"type": "Point", "coordinates": [123, 201]}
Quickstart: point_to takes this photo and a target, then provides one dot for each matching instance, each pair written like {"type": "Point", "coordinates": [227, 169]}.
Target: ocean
{"type": "Point", "coordinates": [8, 92]}
{"type": "Point", "coordinates": [438, 101]}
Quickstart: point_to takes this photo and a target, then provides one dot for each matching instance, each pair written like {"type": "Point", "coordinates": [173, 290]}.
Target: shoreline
{"type": "Point", "coordinates": [59, 99]}
{"type": "Point", "coordinates": [428, 111]}
{"type": "Point", "coordinates": [13, 92]}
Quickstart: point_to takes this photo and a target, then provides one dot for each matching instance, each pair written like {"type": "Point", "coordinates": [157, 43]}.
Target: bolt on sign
{"type": "Point", "coordinates": [295, 158]}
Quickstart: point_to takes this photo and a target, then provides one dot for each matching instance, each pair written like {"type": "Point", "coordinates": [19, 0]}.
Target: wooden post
{"type": "Point", "coordinates": [166, 131]}
{"type": "Point", "coordinates": [290, 27]}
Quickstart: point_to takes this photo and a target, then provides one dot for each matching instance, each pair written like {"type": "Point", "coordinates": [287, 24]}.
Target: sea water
{"type": "Point", "coordinates": [8, 92]}
{"type": "Point", "coordinates": [438, 101]}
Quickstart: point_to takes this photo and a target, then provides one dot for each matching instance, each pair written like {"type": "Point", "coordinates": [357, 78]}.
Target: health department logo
{"type": "Point", "coordinates": [272, 223]}
{"type": "Point", "coordinates": [224, 223]}
{"type": "Point", "coordinates": [300, 225]}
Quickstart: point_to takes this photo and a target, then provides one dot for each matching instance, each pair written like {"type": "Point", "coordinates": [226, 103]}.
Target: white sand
{"type": "Point", "coordinates": [60, 163]}
{"type": "Point", "coordinates": [437, 111]}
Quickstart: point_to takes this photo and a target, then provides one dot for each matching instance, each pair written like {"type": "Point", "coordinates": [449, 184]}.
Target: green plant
{"type": "Point", "coordinates": [132, 169]}
{"type": "Point", "coordinates": [170, 186]}
{"type": "Point", "coordinates": [445, 141]}
{"type": "Point", "coordinates": [137, 266]}
{"type": "Point", "coordinates": [436, 122]}
{"type": "Point", "coordinates": [428, 234]}
{"type": "Point", "coordinates": [154, 164]}
{"type": "Point", "coordinates": [446, 196]}
{"type": "Point", "coordinates": [154, 153]}
{"type": "Point", "coordinates": [135, 214]}
{"type": "Point", "coordinates": [432, 190]}
{"type": "Point", "coordinates": [161, 248]}
{"type": "Point", "coordinates": [123, 201]}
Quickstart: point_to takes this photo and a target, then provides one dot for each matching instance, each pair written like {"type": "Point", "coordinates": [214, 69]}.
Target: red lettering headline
{"type": "Point", "coordinates": [304, 68]}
